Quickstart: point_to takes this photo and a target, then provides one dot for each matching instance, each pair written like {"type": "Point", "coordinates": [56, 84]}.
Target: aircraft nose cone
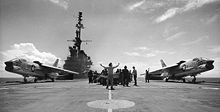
{"type": "Point", "coordinates": [9, 66]}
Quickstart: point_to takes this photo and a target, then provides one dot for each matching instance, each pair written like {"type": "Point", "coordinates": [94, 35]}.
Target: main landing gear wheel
{"type": "Point", "coordinates": [25, 80]}
{"type": "Point", "coordinates": [166, 79]}
{"type": "Point", "coordinates": [52, 79]}
{"type": "Point", "coordinates": [194, 80]}
{"type": "Point", "coordinates": [35, 80]}
{"type": "Point", "coordinates": [184, 80]}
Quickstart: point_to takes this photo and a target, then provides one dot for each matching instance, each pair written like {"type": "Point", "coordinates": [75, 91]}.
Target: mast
{"type": "Point", "coordinates": [78, 60]}
{"type": "Point", "coordinates": [79, 26]}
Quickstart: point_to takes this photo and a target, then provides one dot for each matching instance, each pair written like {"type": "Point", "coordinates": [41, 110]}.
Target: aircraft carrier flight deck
{"type": "Point", "coordinates": [79, 96]}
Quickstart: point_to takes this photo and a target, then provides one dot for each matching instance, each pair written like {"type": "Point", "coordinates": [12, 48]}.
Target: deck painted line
{"type": "Point", "coordinates": [109, 94]}
{"type": "Point", "coordinates": [45, 87]}
{"type": "Point", "coordinates": [110, 98]}
{"type": "Point", "coordinates": [210, 88]}
{"type": "Point", "coordinates": [110, 103]}
{"type": "Point", "coordinates": [3, 88]}
{"type": "Point", "coordinates": [109, 110]}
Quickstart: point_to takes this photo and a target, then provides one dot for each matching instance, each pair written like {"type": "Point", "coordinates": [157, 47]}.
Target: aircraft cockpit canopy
{"type": "Point", "coordinates": [18, 60]}
{"type": "Point", "coordinates": [23, 60]}
{"type": "Point", "coordinates": [196, 59]}
{"type": "Point", "coordinates": [200, 59]}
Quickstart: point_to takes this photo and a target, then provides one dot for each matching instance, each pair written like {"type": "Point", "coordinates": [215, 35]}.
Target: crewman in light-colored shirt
{"type": "Point", "coordinates": [110, 69]}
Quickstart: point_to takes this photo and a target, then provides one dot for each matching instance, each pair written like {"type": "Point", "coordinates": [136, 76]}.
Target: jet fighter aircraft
{"type": "Point", "coordinates": [182, 69]}
{"type": "Point", "coordinates": [35, 69]}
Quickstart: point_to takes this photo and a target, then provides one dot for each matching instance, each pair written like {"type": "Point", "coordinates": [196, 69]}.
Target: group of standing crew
{"type": "Point", "coordinates": [92, 76]}
{"type": "Point", "coordinates": [125, 76]}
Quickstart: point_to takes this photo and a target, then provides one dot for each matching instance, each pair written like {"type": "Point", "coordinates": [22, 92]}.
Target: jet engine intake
{"type": "Point", "coordinates": [209, 66]}
{"type": "Point", "coordinates": [9, 66]}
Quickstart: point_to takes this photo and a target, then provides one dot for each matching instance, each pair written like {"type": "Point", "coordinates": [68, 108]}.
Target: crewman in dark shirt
{"type": "Point", "coordinates": [126, 76]}
{"type": "Point", "coordinates": [134, 73]}
{"type": "Point", "coordinates": [90, 75]}
{"type": "Point", "coordinates": [147, 76]}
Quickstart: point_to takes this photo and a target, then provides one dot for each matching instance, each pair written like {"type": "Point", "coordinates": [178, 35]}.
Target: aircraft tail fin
{"type": "Point", "coordinates": [162, 63]}
{"type": "Point", "coordinates": [56, 63]}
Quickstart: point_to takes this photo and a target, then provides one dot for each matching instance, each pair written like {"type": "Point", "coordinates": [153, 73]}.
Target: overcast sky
{"type": "Point", "coordinates": [132, 32]}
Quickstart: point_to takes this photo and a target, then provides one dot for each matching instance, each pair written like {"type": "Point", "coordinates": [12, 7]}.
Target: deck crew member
{"type": "Point", "coordinates": [147, 76]}
{"type": "Point", "coordinates": [126, 76]}
{"type": "Point", "coordinates": [110, 69]}
{"type": "Point", "coordinates": [134, 73]}
{"type": "Point", "coordinates": [90, 75]}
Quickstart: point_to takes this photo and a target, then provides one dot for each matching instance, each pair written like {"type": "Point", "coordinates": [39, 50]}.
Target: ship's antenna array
{"type": "Point", "coordinates": [77, 40]}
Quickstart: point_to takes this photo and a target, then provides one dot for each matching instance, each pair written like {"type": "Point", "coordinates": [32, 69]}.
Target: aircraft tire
{"type": "Point", "coordinates": [35, 80]}
{"type": "Point", "coordinates": [52, 79]}
{"type": "Point", "coordinates": [194, 80]}
{"type": "Point", "coordinates": [25, 80]}
{"type": "Point", "coordinates": [184, 80]}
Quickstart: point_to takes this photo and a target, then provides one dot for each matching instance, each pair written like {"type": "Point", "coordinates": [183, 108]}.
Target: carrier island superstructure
{"type": "Point", "coordinates": [77, 60]}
